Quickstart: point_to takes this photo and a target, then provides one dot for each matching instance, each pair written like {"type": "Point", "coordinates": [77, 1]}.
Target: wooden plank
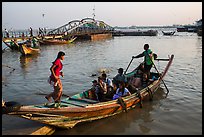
{"type": "Point", "coordinates": [85, 100]}
{"type": "Point", "coordinates": [46, 130]}
{"type": "Point", "coordinates": [79, 105]}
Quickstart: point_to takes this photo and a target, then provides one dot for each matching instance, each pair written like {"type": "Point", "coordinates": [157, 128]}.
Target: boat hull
{"type": "Point", "coordinates": [55, 41]}
{"type": "Point", "coordinates": [25, 50]}
{"type": "Point", "coordinates": [68, 117]}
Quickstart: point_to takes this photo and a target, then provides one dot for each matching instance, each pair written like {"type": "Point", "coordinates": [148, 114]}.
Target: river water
{"type": "Point", "coordinates": [180, 113]}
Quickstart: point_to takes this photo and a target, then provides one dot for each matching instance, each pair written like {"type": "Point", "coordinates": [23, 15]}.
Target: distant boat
{"type": "Point", "coordinates": [56, 41]}
{"type": "Point", "coordinates": [136, 33]}
{"type": "Point", "coordinates": [188, 28]}
{"type": "Point", "coordinates": [12, 44]}
{"type": "Point", "coordinates": [181, 29]}
{"type": "Point", "coordinates": [25, 50]}
{"type": "Point", "coordinates": [170, 33]}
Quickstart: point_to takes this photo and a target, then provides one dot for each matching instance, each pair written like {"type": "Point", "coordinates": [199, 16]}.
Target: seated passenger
{"type": "Point", "coordinates": [136, 80]}
{"type": "Point", "coordinates": [101, 89]}
{"type": "Point", "coordinates": [93, 93]}
{"type": "Point", "coordinates": [122, 91]}
{"type": "Point", "coordinates": [120, 77]}
{"type": "Point", "coordinates": [145, 81]}
{"type": "Point", "coordinates": [109, 85]}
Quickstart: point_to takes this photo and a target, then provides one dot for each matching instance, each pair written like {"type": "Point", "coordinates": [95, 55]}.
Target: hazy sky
{"type": "Point", "coordinates": [22, 15]}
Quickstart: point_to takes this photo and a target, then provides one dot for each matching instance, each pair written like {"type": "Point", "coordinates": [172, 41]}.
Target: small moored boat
{"type": "Point", "coordinates": [82, 107]}
{"type": "Point", "coordinates": [170, 33]}
{"type": "Point", "coordinates": [25, 50]}
{"type": "Point", "coordinates": [56, 41]}
{"type": "Point", "coordinates": [12, 44]}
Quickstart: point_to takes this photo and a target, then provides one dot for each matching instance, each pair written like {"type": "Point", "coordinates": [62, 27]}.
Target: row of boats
{"type": "Point", "coordinates": [149, 33]}
{"type": "Point", "coordinates": [31, 45]}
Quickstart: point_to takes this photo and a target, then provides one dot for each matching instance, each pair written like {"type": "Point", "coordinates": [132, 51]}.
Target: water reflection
{"type": "Point", "coordinates": [25, 61]}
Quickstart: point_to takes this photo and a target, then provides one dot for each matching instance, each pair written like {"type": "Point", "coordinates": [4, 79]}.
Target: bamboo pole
{"type": "Point", "coordinates": [46, 130]}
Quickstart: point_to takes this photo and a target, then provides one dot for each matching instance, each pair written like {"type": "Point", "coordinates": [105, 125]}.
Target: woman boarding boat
{"type": "Point", "coordinates": [81, 107]}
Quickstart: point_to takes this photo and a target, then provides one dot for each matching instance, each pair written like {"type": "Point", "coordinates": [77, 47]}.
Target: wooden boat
{"type": "Point", "coordinates": [12, 45]}
{"type": "Point", "coordinates": [53, 37]}
{"type": "Point", "coordinates": [81, 107]}
{"type": "Point", "coordinates": [17, 39]}
{"type": "Point", "coordinates": [25, 50]}
{"type": "Point", "coordinates": [182, 29]}
{"type": "Point", "coordinates": [137, 33]}
{"type": "Point", "coordinates": [168, 33]}
{"type": "Point", "coordinates": [56, 41]}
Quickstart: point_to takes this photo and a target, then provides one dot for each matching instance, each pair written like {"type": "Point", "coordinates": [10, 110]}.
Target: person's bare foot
{"type": "Point", "coordinates": [48, 99]}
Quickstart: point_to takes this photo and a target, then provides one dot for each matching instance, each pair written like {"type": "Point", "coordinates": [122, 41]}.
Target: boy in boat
{"type": "Point", "coordinates": [145, 81]}
{"type": "Point", "coordinates": [148, 59]}
{"type": "Point", "coordinates": [94, 90]}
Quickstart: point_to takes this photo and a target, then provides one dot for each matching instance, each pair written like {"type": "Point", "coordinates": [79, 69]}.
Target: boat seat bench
{"type": "Point", "coordinates": [74, 103]}
{"type": "Point", "coordinates": [90, 101]}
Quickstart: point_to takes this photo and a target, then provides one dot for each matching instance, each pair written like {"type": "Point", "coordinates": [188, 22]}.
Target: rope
{"type": "Point", "coordinates": [150, 94]}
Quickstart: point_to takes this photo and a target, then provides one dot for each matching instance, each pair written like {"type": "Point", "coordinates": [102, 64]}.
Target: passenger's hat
{"type": "Point", "coordinates": [120, 69]}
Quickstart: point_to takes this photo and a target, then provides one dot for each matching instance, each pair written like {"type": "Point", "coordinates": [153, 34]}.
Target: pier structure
{"type": "Point", "coordinates": [87, 28]}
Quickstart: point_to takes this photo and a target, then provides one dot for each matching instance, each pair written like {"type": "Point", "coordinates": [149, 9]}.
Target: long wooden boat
{"type": "Point", "coordinates": [170, 33]}
{"type": "Point", "coordinates": [137, 33]}
{"type": "Point", "coordinates": [56, 41]}
{"type": "Point", "coordinates": [80, 107]}
{"type": "Point", "coordinates": [12, 45]}
{"type": "Point", "coordinates": [25, 50]}
{"type": "Point", "coordinates": [17, 39]}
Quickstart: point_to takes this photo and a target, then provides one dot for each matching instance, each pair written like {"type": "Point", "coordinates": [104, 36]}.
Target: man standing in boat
{"type": "Point", "coordinates": [148, 59]}
{"type": "Point", "coordinates": [31, 32]}
{"type": "Point", "coordinates": [7, 33]}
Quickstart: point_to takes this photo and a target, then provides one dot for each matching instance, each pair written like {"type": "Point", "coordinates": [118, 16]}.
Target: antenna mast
{"type": "Point", "coordinates": [94, 12]}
